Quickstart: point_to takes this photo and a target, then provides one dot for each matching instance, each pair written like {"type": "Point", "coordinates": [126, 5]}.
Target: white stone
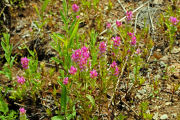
{"type": "Point", "coordinates": [164, 117]}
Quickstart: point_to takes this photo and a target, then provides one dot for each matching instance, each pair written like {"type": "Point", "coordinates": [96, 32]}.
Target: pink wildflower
{"type": "Point", "coordinates": [24, 62]}
{"type": "Point", "coordinates": [116, 72]}
{"type": "Point", "coordinates": [129, 15]}
{"type": "Point", "coordinates": [84, 49]}
{"type": "Point", "coordinates": [113, 65]}
{"type": "Point", "coordinates": [133, 40]}
{"type": "Point", "coordinates": [65, 82]}
{"type": "Point", "coordinates": [130, 34]}
{"type": "Point", "coordinates": [76, 55]}
{"type": "Point", "coordinates": [116, 41]}
{"type": "Point", "coordinates": [118, 23]}
{"type": "Point", "coordinates": [72, 70]}
{"type": "Point", "coordinates": [85, 52]}
{"type": "Point", "coordinates": [75, 7]}
{"type": "Point", "coordinates": [20, 80]}
{"type": "Point", "coordinates": [93, 74]}
{"type": "Point", "coordinates": [108, 25]}
{"type": "Point", "coordinates": [138, 51]}
{"type": "Point", "coordinates": [80, 56]}
{"type": "Point", "coordinates": [102, 47]}
{"type": "Point", "coordinates": [115, 68]}
{"type": "Point", "coordinates": [173, 20]}
{"type": "Point", "coordinates": [77, 17]}
{"type": "Point", "coordinates": [22, 110]}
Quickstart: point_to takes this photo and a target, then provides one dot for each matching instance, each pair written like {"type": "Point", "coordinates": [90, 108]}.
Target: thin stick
{"type": "Point", "coordinates": [122, 6]}
{"type": "Point", "coordinates": [136, 22]}
{"type": "Point", "coordinates": [117, 84]}
{"type": "Point", "coordinates": [130, 107]}
{"type": "Point", "coordinates": [125, 16]}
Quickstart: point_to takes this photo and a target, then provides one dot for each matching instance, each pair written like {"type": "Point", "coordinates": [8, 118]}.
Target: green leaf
{"type": "Point", "coordinates": [37, 11]}
{"type": "Point", "coordinates": [71, 27]}
{"type": "Point", "coordinates": [12, 60]}
{"type": "Point", "coordinates": [63, 17]}
{"type": "Point", "coordinates": [3, 106]}
{"type": "Point", "coordinates": [56, 60]}
{"type": "Point", "coordinates": [45, 3]}
{"type": "Point", "coordinates": [121, 117]}
{"type": "Point", "coordinates": [57, 118]}
{"type": "Point", "coordinates": [65, 7]}
{"type": "Point", "coordinates": [75, 30]}
{"type": "Point", "coordinates": [60, 37]}
{"type": "Point", "coordinates": [3, 46]}
{"type": "Point", "coordinates": [71, 116]}
{"type": "Point", "coordinates": [73, 34]}
{"type": "Point", "coordinates": [63, 97]}
{"type": "Point", "coordinates": [91, 99]}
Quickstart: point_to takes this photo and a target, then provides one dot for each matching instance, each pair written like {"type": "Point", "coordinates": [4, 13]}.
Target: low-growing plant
{"type": "Point", "coordinates": [7, 47]}
{"type": "Point", "coordinates": [143, 113]}
{"type": "Point", "coordinates": [5, 113]}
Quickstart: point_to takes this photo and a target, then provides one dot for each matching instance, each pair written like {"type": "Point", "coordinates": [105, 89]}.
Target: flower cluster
{"type": "Point", "coordinates": [173, 20]}
{"type": "Point", "coordinates": [72, 70]}
{"type": "Point", "coordinates": [116, 41]}
{"type": "Point", "coordinates": [138, 51]}
{"type": "Point", "coordinates": [77, 17]}
{"type": "Point", "coordinates": [115, 68]}
{"type": "Point", "coordinates": [130, 34]}
{"type": "Point", "coordinates": [133, 38]}
{"type": "Point", "coordinates": [81, 56]}
{"type": "Point", "coordinates": [65, 82]}
{"type": "Point", "coordinates": [22, 110]}
{"type": "Point", "coordinates": [108, 25]}
{"type": "Point", "coordinates": [75, 7]}
{"type": "Point", "coordinates": [102, 47]}
{"type": "Point", "coordinates": [129, 15]}
{"type": "Point", "coordinates": [93, 74]}
{"type": "Point", "coordinates": [20, 80]}
{"type": "Point", "coordinates": [118, 23]}
{"type": "Point", "coordinates": [24, 62]}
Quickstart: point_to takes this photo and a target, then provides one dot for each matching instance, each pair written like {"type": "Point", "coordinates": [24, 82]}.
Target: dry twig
{"type": "Point", "coordinates": [125, 16]}
{"type": "Point", "coordinates": [122, 6]}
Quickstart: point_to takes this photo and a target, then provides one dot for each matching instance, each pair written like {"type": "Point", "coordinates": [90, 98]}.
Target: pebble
{"type": "Point", "coordinates": [164, 117]}
{"type": "Point", "coordinates": [174, 115]}
{"type": "Point", "coordinates": [175, 50]}
{"type": "Point", "coordinates": [162, 64]}
{"type": "Point", "coordinates": [155, 117]}
{"type": "Point", "coordinates": [168, 103]}
{"type": "Point", "coordinates": [164, 58]}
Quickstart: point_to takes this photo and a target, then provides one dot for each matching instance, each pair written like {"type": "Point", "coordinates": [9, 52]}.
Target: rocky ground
{"type": "Point", "coordinates": [163, 64]}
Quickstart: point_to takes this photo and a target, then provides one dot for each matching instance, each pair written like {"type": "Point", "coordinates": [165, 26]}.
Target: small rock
{"type": "Point", "coordinates": [168, 103]}
{"type": "Point", "coordinates": [157, 2]}
{"type": "Point", "coordinates": [155, 117]}
{"type": "Point", "coordinates": [174, 115]}
{"type": "Point", "coordinates": [139, 96]}
{"type": "Point", "coordinates": [157, 77]}
{"type": "Point", "coordinates": [143, 91]}
{"type": "Point", "coordinates": [164, 117]}
{"type": "Point", "coordinates": [158, 50]}
{"type": "Point", "coordinates": [164, 58]}
{"type": "Point", "coordinates": [175, 50]}
{"type": "Point", "coordinates": [162, 64]}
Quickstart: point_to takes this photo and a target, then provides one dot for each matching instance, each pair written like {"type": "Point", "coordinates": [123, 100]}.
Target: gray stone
{"type": "Point", "coordinates": [164, 117]}
{"type": "Point", "coordinates": [168, 103]}
{"type": "Point", "coordinates": [175, 50]}
{"type": "Point", "coordinates": [155, 117]}
{"type": "Point", "coordinates": [164, 58]}
{"type": "Point", "coordinates": [174, 115]}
